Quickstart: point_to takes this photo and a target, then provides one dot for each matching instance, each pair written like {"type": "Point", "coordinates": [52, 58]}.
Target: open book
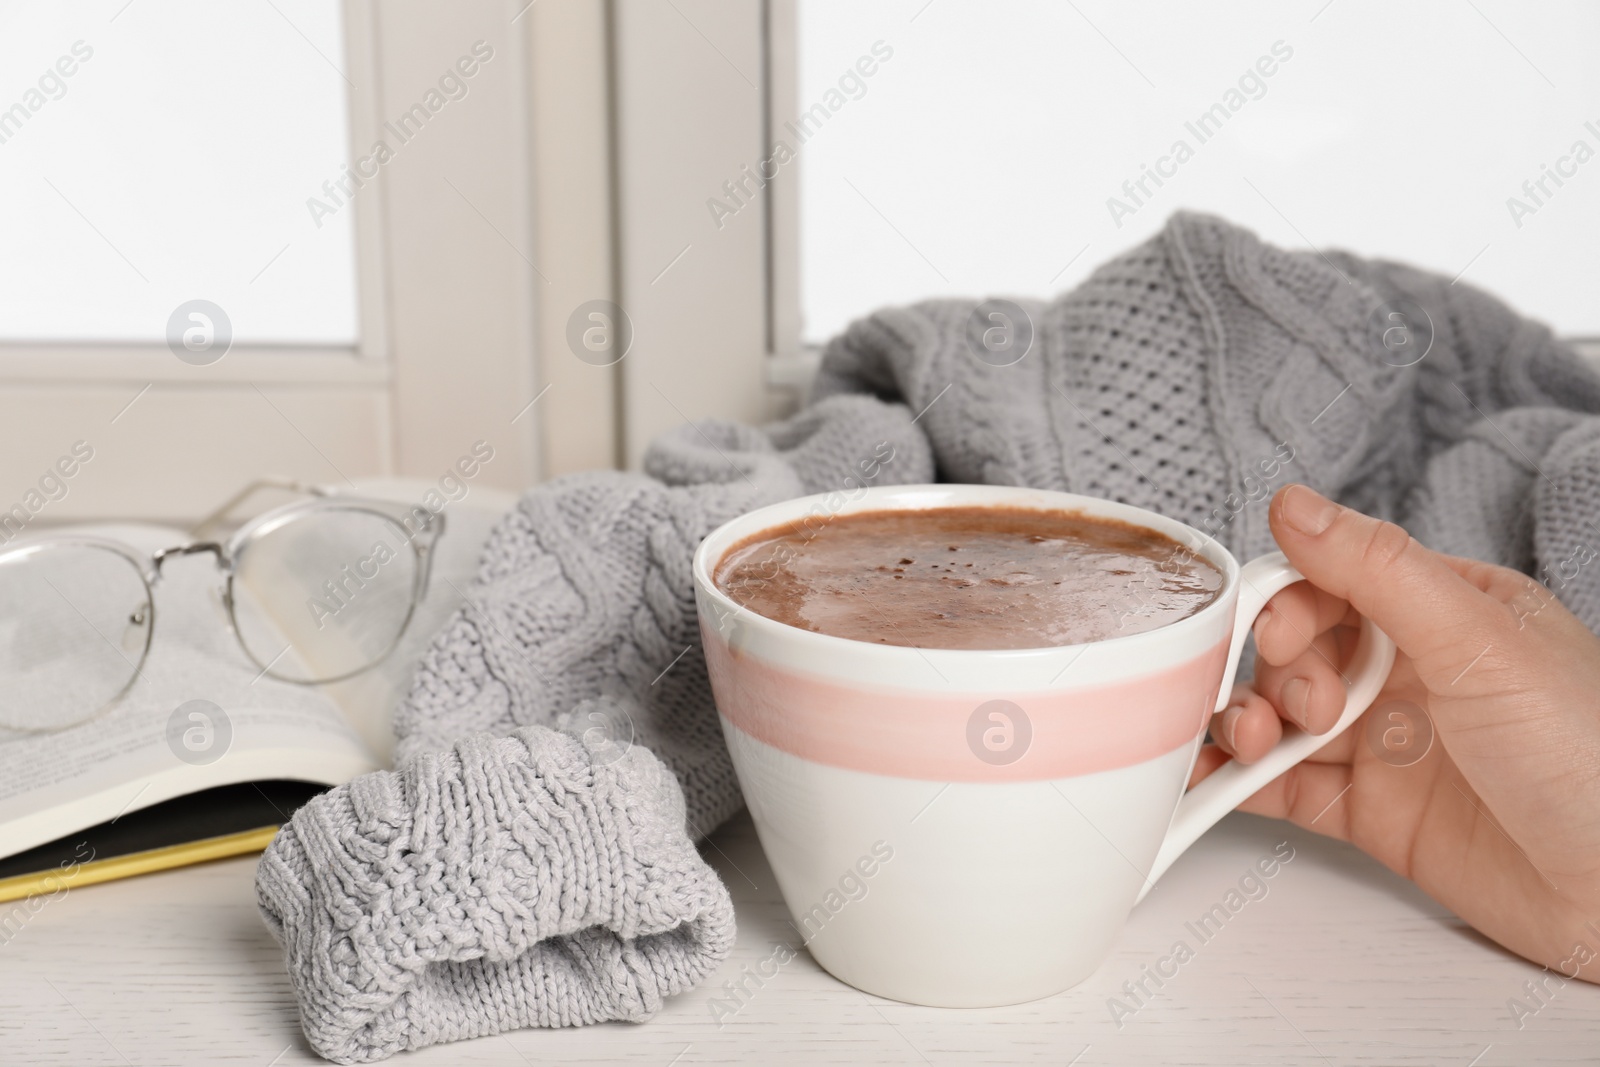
{"type": "Point", "coordinates": [205, 756]}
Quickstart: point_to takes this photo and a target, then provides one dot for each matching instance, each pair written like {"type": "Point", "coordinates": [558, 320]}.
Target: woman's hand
{"type": "Point", "coordinates": [1499, 819]}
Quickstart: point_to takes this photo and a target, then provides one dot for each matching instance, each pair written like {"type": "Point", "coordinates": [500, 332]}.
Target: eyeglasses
{"type": "Point", "coordinates": [314, 591]}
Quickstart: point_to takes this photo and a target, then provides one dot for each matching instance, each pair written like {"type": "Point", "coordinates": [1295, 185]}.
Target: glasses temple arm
{"type": "Point", "coordinates": [199, 529]}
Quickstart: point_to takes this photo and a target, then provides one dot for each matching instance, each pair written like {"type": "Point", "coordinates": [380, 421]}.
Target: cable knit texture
{"type": "Point", "coordinates": [1191, 375]}
{"type": "Point", "coordinates": [508, 882]}
{"type": "Point", "coordinates": [582, 616]}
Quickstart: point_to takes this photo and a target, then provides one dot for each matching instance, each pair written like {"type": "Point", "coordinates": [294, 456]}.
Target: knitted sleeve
{"type": "Point", "coordinates": [582, 615]}
{"type": "Point", "coordinates": [508, 882]}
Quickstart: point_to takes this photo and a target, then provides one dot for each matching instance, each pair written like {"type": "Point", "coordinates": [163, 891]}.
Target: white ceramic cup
{"type": "Point", "coordinates": [967, 828]}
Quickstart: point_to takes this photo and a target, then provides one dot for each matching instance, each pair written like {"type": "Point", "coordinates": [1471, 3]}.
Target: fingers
{"type": "Point", "coordinates": [1416, 596]}
{"type": "Point", "coordinates": [1309, 690]}
{"type": "Point", "coordinates": [1211, 757]}
{"type": "Point", "coordinates": [1285, 628]}
{"type": "Point", "coordinates": [1312, 795]}
{"type": "Point", "coordinates": [1248, 727]}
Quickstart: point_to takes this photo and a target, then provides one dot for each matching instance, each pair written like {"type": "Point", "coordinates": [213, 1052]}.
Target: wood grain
{"type": "Point", "coordinates": [1340, 963]}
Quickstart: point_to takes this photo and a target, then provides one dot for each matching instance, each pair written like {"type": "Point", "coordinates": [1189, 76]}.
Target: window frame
{"type": "Point", "coordinates": [365, 362]}
{"type": "Point", "coordinates": [370, 409]}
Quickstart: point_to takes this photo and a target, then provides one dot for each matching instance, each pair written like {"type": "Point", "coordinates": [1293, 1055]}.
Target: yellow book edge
{"type": "Point", "coordinates": [55, 880]}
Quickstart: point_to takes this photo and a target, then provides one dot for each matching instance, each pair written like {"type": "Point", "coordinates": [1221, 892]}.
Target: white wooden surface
{"type": "Point", "coordinates": [1341, 963]}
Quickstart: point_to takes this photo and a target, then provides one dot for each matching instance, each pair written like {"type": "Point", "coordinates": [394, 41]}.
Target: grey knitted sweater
{"type": "Point", "coordinates": [1178, 377]}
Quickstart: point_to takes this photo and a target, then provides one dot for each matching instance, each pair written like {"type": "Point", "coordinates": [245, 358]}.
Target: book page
{"type": "Point", "coordinates": [199, 714]}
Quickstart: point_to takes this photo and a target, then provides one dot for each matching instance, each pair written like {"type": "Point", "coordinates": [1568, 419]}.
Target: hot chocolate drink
{"type": "Point", "coordinates": [969, 577]}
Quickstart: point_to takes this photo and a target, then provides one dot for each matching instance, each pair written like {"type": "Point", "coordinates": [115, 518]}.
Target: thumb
{"type": "Point", "coordinates": [1434, 615]}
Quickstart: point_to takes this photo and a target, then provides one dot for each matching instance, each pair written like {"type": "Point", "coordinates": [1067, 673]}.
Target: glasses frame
{"type": "Point", "coordinates": [141, 565]}
{"type": "Point", "coordinates": [227, 555]}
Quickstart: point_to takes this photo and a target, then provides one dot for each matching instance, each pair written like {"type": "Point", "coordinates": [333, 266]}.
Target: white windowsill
{"type": "Point", "coordinates": [81, 364]}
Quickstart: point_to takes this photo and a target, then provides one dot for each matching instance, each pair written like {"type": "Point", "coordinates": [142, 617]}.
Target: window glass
{"type": "Point", "coordinates": [157, 152]}
{"type": "Point", "coordinates": [1010, 148]}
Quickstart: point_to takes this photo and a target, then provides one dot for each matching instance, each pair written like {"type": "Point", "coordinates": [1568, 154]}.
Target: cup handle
{"type": "Point", "coordinates": [1232, 783]}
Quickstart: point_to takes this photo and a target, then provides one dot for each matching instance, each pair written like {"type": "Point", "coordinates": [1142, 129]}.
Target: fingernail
{"type": "Point", "coordinates": [1230, 722]}
{"type": "Point", "coordinates": [1307, 511]}
{"type": "Point", "coordinates": [1296, 695]}
{"type": "Point", "coordinates": [1261, 624]}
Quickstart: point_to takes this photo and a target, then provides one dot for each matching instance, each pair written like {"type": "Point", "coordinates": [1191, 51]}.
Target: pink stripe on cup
{"type": "Point", "coordinates": [1007, 736]}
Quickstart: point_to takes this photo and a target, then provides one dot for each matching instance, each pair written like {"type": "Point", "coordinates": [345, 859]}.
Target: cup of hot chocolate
{"type": "Point", "coordinates": [963, 718]}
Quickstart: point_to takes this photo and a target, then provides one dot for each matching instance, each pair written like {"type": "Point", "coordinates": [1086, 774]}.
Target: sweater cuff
{"type": "Point", "coordinates": [507, 882]}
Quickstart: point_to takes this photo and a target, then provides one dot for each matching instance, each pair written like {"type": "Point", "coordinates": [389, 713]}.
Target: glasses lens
{"type": "Point", "coordinates": [324, 595]}
{"type": "Point", "coordinates": [74, 627]}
